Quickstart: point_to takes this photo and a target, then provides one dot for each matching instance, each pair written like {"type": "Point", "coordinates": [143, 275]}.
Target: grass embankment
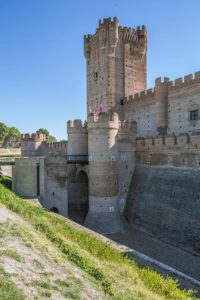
{"type": "Point", "coordinates": [8, 290]}
{"type": "Point", "coordinates": [116, 275]}
{"type": "Point", "coordinates": [6, 181]}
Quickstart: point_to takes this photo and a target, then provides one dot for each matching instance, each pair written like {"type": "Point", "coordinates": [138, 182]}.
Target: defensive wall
{"type": "Point", "coordinates": [166, 107]}
{"type": "Point", "coordinates": [164, 197]}
{"type": "Point", "coordinates": [35, 145]}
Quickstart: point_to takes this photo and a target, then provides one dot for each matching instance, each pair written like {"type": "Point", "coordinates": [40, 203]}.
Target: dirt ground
{"type": "Point", "coordinates": [36, 267]}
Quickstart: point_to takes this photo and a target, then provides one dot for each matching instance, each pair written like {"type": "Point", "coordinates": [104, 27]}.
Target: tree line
{"type": "Point", "coordinates": [10, 137]}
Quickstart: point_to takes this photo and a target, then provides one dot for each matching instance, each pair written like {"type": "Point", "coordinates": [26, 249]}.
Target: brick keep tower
{"type": "Point", "coordinates": [116, 64]}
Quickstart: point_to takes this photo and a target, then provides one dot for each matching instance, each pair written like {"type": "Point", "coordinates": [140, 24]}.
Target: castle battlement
{"type": "Point", "coordinates": [34, 137]}
{"type": "Point", "coordinates": [58, 145]}
{"type": "Point", "coordinates": [184, 81]}
{"type": "Point", "coordinates": [76, 126]}
{"type": "Point", "coordinates": [132, 34]}
{"type": "Point", "coordinates": [136, 36]}
{"type": "Point", "coordinates": [169, 142]}
{"type": "Point", "coordinates": [108, 22]}
{"type": "Point", "coordinates": [141, 95]}
{"type": "Point", "coordinates": [103, 120]}
{"type": "Point", "coordinates": [161, 81]}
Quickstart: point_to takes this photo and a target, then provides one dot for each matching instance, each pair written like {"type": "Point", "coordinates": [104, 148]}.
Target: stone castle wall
{"type": "Point", "coordinates": [55, 184]}
{"type": "Point", "coordinates": [25, 176]}
{"type": "Point", "coordinates": [164, 201]}
{"type": "Point", "coordinates": [164, 194]}
{"type": "Point", "coordinates": [182, 150]}
{"type": "Point", "coordinates": [184, 97]}
{"type": "Point", "coordinates": [35, 145]}
{"type": "Point", "coordinates": [166, 107]}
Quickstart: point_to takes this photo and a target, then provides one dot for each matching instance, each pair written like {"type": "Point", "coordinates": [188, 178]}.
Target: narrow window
{"type": "Point", "coordinates": [95, 75]}
{"type": "Point", "coordinates": [194, 115]}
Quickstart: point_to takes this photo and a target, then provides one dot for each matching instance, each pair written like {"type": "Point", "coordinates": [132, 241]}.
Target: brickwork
{"type": "Point", "coordinates": [116, 64]}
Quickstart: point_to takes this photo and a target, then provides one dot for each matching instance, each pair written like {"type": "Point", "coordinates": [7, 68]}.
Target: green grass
{"type": "Point", "coordinates": [70, 289]}
{"type": "Point", "coordinates": [6, 181]}
{"type": "Point", "coordinates": [12, 254]}
{"type": "Point", "coordinates": [118, 276]}
{"type": "Point", "coordinates": [8, 290]}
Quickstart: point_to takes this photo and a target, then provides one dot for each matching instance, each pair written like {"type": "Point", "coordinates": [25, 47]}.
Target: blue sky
{"type": "Point", "coordinates": [42, 66]}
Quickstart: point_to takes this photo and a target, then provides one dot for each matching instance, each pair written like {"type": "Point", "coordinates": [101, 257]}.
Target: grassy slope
{"type": "Point", "coordinates": [8, 290]}
{"type": "Point", "coordinates": [117, 276]}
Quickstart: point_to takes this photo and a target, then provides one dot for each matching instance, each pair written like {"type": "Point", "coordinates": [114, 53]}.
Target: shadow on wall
{"type": "Point", "coordinates": [79, 204]}
{"type": "Point", "coordinates": [55, 210]}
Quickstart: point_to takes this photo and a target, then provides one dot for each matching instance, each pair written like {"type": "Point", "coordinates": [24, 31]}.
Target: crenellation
{"type": "Point", "coordinates": [179, 81]}
{"type": "Point", "coordinates": [108, 22]}
{"type": "Point", "coordinates": [150, 91]}
{"type": "Point", "coordinates": [76, 126]}
{"type": "Point", "coordinates": [104, 119]}
{"type": "Point", "coordinates": [184, 81]}
{"type": "Point", "coordinates": [35, 137]}
{"type": "Point", "coordinates": [141, 95]}
{"type": "Point", "coordinates": [170, 142]}
{"type": "Point", "coordinates": [57, 145]}
{"type": "Point", "coordinates": [197, 75]}
{"type": "Point", "coordinates": [188, 78]}
{"type": "Point", "coordinates": [160, 81]}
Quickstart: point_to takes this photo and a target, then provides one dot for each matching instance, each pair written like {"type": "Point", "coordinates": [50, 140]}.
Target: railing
{"type": "Point", "coordinates": [77, 159]}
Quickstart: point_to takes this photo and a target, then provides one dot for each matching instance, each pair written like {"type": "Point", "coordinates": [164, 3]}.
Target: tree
{"type": "Point", "coordinates": [12, 138]}
{"type": "Point", "coordinates": [44, 131]}
{"type": "Point", "coordinates": [49, 138]}
{"type": "Point", "coordinates": [52, 139]}
{"type": "Point", "coordinates": [3, 132]}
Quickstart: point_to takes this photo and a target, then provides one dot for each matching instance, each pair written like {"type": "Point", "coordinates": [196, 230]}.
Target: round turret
{"type": "Point", "coordinates": [103, 215]}
{"type": "Point", "coordinates": [77, 138]}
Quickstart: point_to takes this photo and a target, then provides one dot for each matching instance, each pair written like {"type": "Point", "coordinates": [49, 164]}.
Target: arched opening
{"type": "Point", "coordinates": [54, 209]}
{"type": "Point", "coordinates": [78, 201]}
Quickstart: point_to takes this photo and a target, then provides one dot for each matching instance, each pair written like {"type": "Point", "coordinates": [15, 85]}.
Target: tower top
{"type": "Point", "coordinates": [115, 31]}
{"type": "Point", "coordinates": [116, 64]}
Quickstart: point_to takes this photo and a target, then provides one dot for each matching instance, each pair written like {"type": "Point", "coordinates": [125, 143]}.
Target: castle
{"type": "Point", "coordinates": [136, 160]}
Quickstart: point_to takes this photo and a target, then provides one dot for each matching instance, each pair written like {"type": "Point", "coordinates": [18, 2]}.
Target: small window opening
{"type": "Point", "coordinates": [194, 115]}
{"type": "Point", "coordinates": [95, 75]}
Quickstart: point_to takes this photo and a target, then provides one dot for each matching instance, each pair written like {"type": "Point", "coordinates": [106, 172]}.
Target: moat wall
{"type": "Point", "coordinates": [164, 201]}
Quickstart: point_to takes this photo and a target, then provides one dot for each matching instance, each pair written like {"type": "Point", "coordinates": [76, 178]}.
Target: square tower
{"type": "Point", "coordinates": [116, 65]}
